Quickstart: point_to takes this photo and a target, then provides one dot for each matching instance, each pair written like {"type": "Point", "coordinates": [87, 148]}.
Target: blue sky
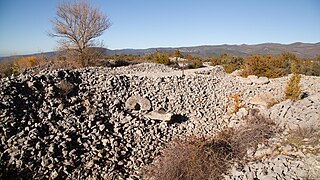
{"type": "Point", "coordinates": [24, 24]}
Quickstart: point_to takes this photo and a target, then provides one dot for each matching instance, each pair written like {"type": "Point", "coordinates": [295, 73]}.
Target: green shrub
{"type": "Point", "coordinates": [177, 54]}
{"type": "Point", "coordinates": [309, 67]}
{"type": "Point", "coordinates": [293, 89]}
{"type": "Point", "coordinates": [161, 58]}
{"type": "Point", "coordinates": [214, 60]}
{"type": "Point", "coordinates": [266, 65]}
{"type": "Point", "coordinates": [195, 64]}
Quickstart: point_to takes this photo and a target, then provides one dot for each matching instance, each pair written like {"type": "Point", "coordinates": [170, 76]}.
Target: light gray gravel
{"type": "Point", "coordinates": [68, 124]}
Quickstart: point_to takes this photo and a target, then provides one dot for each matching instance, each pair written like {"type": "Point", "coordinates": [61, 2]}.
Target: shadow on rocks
{"type": "Point", "coordinates": [178, 118]}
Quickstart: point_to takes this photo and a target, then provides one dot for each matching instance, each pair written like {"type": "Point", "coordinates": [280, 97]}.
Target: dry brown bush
{"type": "Point", "coordinates": [192, 159]}
{"type": "Point", "coordinates": [256, 130]}
{"type": "Point", "coordinates": [211, 158]}
{"type": "Point", "coordinates": [65, 88]}
{"type": "Point", "coordinates": [6, 68]}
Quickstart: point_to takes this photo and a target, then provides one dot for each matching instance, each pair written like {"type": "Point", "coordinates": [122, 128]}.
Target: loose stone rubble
{"type": "Point", "coordinates": [96, 122]}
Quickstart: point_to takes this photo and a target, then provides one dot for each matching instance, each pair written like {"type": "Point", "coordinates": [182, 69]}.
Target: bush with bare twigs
{"type": "Point", "coordinates": [211, 158]}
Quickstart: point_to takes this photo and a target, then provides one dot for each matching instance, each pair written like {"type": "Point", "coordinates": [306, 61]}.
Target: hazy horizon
{"type": "Point", "coordinates": [143, 24]}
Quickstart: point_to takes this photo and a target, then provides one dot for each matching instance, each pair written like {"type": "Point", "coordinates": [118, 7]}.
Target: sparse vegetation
{"type": "Point", "coordinates": [210, 158]}
{"type": "Point", "coordinates": [18, 65]}
{"type": "Point", "coordinates": [271, 66]}
{"type": "Point", "coordinates": [194, 62]}
{"type": "Point", "coordinates": [261, 65]}
{"type": "Point", "coordinates": [229, 63]}
{"type": "Point", "coordinates": [193, 159]}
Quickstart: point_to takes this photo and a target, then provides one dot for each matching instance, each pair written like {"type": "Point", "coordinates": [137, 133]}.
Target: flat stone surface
{"type": "Point", "coordinates": [157, 115]}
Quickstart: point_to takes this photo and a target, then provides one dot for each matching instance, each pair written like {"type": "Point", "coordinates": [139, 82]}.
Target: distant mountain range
{"type": "Point", "coordinates": [303, 50]}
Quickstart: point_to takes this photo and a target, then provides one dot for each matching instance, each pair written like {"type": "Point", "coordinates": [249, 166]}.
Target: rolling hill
{"type": "Point", "coordinates": [302, 50]}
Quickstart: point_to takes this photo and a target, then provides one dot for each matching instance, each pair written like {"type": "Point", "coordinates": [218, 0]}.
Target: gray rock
{"type": "Point", "coordinates": [159, 115]}
{"type": "Point", "coordinates": [92, 125]}
{"type": "Point", "coordinates": [138, 103]}
{"type": "Point", "coordinates": [102, 127]}
{"type": "Point", "coordinates": [245, 80]}
{"type": "Point", "coordinates": [260, 80]}
{"type": "Point", "coordinates": [252, 77]}
{"type": "Point", "coordinates": [265, 99]}
{"type": "Point", "coordinates": [236, 72]}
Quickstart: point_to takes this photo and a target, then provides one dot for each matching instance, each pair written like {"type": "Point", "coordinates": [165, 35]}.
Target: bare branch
{"type": "Point", "coordinates": [77, 24]}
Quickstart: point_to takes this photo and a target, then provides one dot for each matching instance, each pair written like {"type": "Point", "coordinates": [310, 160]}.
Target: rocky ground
{"type": "Point", "coordinates": [67, 124]}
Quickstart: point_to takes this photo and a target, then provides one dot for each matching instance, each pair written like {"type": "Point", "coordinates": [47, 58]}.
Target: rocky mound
{"type": "Point", "coordinates": [76, 124]}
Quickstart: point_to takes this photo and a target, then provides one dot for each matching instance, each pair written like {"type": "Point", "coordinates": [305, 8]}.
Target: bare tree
{"type": "Point", "coordinates": [77, 25]}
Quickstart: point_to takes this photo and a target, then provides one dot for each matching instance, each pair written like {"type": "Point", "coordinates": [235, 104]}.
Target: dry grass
{"type": "Point", "coordinates": [304, 139]}
{"type": "Point", "coordinates": [211, 158]}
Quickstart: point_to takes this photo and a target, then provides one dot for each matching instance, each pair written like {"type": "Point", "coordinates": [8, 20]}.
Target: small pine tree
{"type": "Point", "coordinates": [161, 58]}
{"type": "Point", "coordinates": [293, 89]}
{"type": "Point", "coordinates": [177, 54]}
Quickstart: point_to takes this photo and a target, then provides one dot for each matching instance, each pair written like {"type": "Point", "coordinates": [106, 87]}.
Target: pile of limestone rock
{"type": "Point", "coordinates": [111, 122]}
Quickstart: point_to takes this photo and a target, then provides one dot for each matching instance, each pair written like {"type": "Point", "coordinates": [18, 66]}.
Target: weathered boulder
{"type": "Point", "coordinates": [260, 80]}
{"type": "Point", "coordinates": [265, 99]}
{"type": "Point", "coordinates": [159, 115]}
{"type": "Point", "coordinates": [252, 77]}
{"type": "Point", "coordinates": [138, 103]}
{"type": "Point", "coordinates": [245, 80]}
{"type": "Point", "coordinates": [237, 72]}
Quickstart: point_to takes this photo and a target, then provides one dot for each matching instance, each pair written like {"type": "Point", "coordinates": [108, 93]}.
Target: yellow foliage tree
{"type": "Point", "coordinates": [25, 62]}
